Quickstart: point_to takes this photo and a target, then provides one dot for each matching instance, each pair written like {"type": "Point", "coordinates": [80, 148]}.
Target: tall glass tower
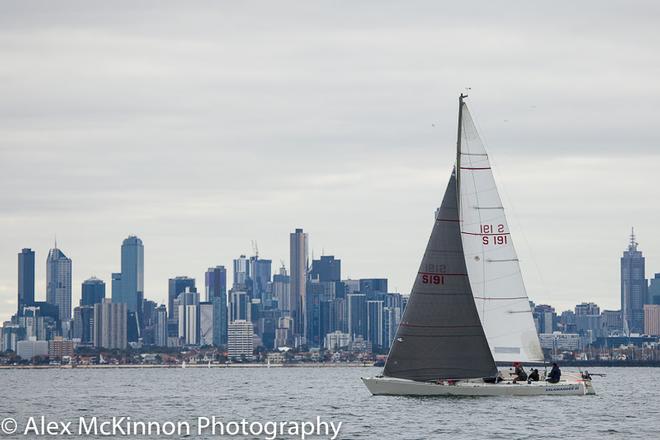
{"type": "Point", "coordinates": [25, 279]}
{"type": "Point", "coordinates": [58, 282]}
{"type": "Point", "coordinates": [132, 273]}
{"type": "Point", "coordinates": [633, 288]}
{"type": "Point", "coordinates": [298, 279]}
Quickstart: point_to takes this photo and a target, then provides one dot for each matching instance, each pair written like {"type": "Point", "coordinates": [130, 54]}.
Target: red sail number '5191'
{"type": "Point", "coordinates": [433, 279]}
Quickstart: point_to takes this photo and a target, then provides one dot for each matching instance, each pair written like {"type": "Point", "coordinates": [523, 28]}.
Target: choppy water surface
{"type": "Point", "coordinates": [627, 404]}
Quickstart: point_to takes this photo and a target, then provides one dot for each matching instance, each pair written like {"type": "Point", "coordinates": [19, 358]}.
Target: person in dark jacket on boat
{"type": "Point", "coordinates": [519, 373]}
{"type": "Point", "coordinates": [555, 374]}
{"type": "Point", "coordinates": [533, 376]}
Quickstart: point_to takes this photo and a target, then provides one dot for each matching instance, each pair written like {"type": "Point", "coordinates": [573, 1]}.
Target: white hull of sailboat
{"type": "Point", "coordinates": [390, 386]}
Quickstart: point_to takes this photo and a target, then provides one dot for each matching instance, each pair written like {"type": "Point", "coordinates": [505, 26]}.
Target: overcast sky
{"type": "Point", "coordinates": [200, 126]}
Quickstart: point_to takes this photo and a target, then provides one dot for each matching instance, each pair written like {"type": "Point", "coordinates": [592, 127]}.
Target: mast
{"type": "Point", "coordinates": [458, 149]}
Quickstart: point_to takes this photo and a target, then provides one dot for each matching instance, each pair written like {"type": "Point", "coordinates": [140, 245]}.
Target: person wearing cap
{"type": "Point", "coordinates": [519, 372]}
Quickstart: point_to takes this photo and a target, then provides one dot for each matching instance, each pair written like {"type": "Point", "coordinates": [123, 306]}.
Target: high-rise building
{"type": "Point", "coordinates": [240, 337]}
{"type": "Point", "coordinates": [241, 272]}
{"type": "Point", "coordinates": [93, 292]}
{"type": "Point", "coordinates": [612, 322]}
{"type": "Point", "coordinates": [375, 323]}
{"type": "Point", "coordinates": [25, 279]}
{"type": "Point", "coordinates": [654, 290]}
{"type": "Point", "coordinates": [83, 324]}
{"type": "Point", "coordinates": [187, 304]}
{"type": "Point", "coordinates": [205, 323]}
{"type": "Point", "coordinates": [652, 319]}
{"type": "Point", "coordinates": [281, 290]}
{"type": "Point", "coordinates": [633, 288]}
{"type": "Point", "coordinates": [298, 265]}
{"type": "Point", "coordinates": [357, 315]}
{"type": "Point", "coordinates": [391, 318]}
{"type": "Point", "coordinates": [374, 288]}
{"type": "Point", "coordinates": [32, 320]}
{"type": "Point", "coordinates": [544, 318]}
{"type": "Point", "coordinates": [220, 321]}
{"type": "Point", "coordinates": [110, 325]}
{"type": "Point", "coordinates": [327, 268]}
{"type": "Point", "coordinates": [588, 320]}
{"type": "Point", "coordinates": [259, 275]}
{"type": "Point", "coordinates": [58, 282]}
{"type": "Point", "coordinates": [132, 273]}
{"type": "Point", "coordinates": [176, 286]}
{"type": "Point", "coordinates": [160, 327]}
{"type": "Point", "coordinates": [239, 306]}
{"type": "Point", "coordinates": [215, 282]}
{"type": "Point", "coordinates": [116, 292]}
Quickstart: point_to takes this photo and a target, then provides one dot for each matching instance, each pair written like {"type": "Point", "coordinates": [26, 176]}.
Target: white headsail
{"type": "Point", "coordinates": [490, 257]}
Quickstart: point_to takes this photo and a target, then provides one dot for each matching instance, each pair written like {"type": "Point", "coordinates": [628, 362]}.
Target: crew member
{"type": "Point", "coordinates": [519, 372]}
{"type": "Point", "coordinates": [555, 374]}
{"type": "Point", "coordinates": [533, 376]}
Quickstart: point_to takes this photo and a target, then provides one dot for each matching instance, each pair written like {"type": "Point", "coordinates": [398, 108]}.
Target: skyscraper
{"type": "Point", "coordinates": [375, 323]}
{"type": "Point", "coordinates": [241, 272]}
{"type": "Point", "coordinates": [239, 306]}
{"type": "Point", "coordinates": [110, 325]}
{"type": "Point", "coordinates": [633, 287]}
{"type": "Point", "coordinates": [176, 286]}
{"type": "Point", "coordinates": [83, 324]}
{"type": "Point", "coordinates": [206, 323]}
{"type": "Point", "coordinates": [259, 273]}
{"type": "Point", "coordinates": [58, 282]}
{"type": "Point", "coordinates": [654, 290]}
{"type": "Point", "coordinates": [374, 288]}
{"type": "Point", "coordinates": [281, 290]}
{"type": "Point", "coordinates": [160, 330]}
{"type": "Point", "coordinates": [220, 322]}
{"type": "Point", "coordinates": [327, 268]}
{"type": "Point", "coordinates": [216, 294]}
{"type": "Point", "coordinates": [357, 314]}
{"type": "Point", "coordinates": [132, 273]}
{"type": "Point", "coordinates": [298, 265]}
{"type": "Point", "coordinates": [188, 316]}
{"type": "Point", "coordinates": [116, 292]}
{"type": "Point", "coordinates": [93, 292]}
{"type": "Point", "coordinates": [25, 279]}
{"type": "Point", "coordinates": [215, 281]}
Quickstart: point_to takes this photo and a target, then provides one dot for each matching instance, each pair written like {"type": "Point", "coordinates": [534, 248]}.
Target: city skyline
{"type": "Point", "coordinates": [352, 140]}
{"type": "Point", "coordinates": [201, 285]}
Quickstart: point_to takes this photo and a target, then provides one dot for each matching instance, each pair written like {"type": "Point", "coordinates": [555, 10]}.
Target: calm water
{"type": "Point", "coordinates": [627, 404]}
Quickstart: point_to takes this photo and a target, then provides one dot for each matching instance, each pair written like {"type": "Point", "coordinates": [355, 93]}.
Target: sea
{"type": "Point", "coordinates": [627, 405]}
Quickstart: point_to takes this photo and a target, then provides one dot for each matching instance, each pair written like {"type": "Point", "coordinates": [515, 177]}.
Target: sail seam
{"type": "Point", "coordinates": [493, 298]}
{"type": "Point", "coordinates": [440, 273]}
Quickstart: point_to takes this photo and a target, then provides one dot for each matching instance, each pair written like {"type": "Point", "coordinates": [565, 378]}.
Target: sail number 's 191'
{"type": "Point", "coordinates": [493, 235]}
{"type": "Point", "coordinates": [429, 278]}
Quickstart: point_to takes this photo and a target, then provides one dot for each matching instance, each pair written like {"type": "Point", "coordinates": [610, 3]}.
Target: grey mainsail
{"type": "Point", "coordinates": [440, 335]}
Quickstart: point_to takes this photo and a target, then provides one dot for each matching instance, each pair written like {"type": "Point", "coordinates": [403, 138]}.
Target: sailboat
{"type": "Point", "coordinates": [468, 309]}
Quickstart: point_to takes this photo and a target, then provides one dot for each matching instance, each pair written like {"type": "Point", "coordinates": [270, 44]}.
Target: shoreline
{"type": "Point", "coordinates": [171, 366]}
{"type": "Point", "coordinates": [574, 364]}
